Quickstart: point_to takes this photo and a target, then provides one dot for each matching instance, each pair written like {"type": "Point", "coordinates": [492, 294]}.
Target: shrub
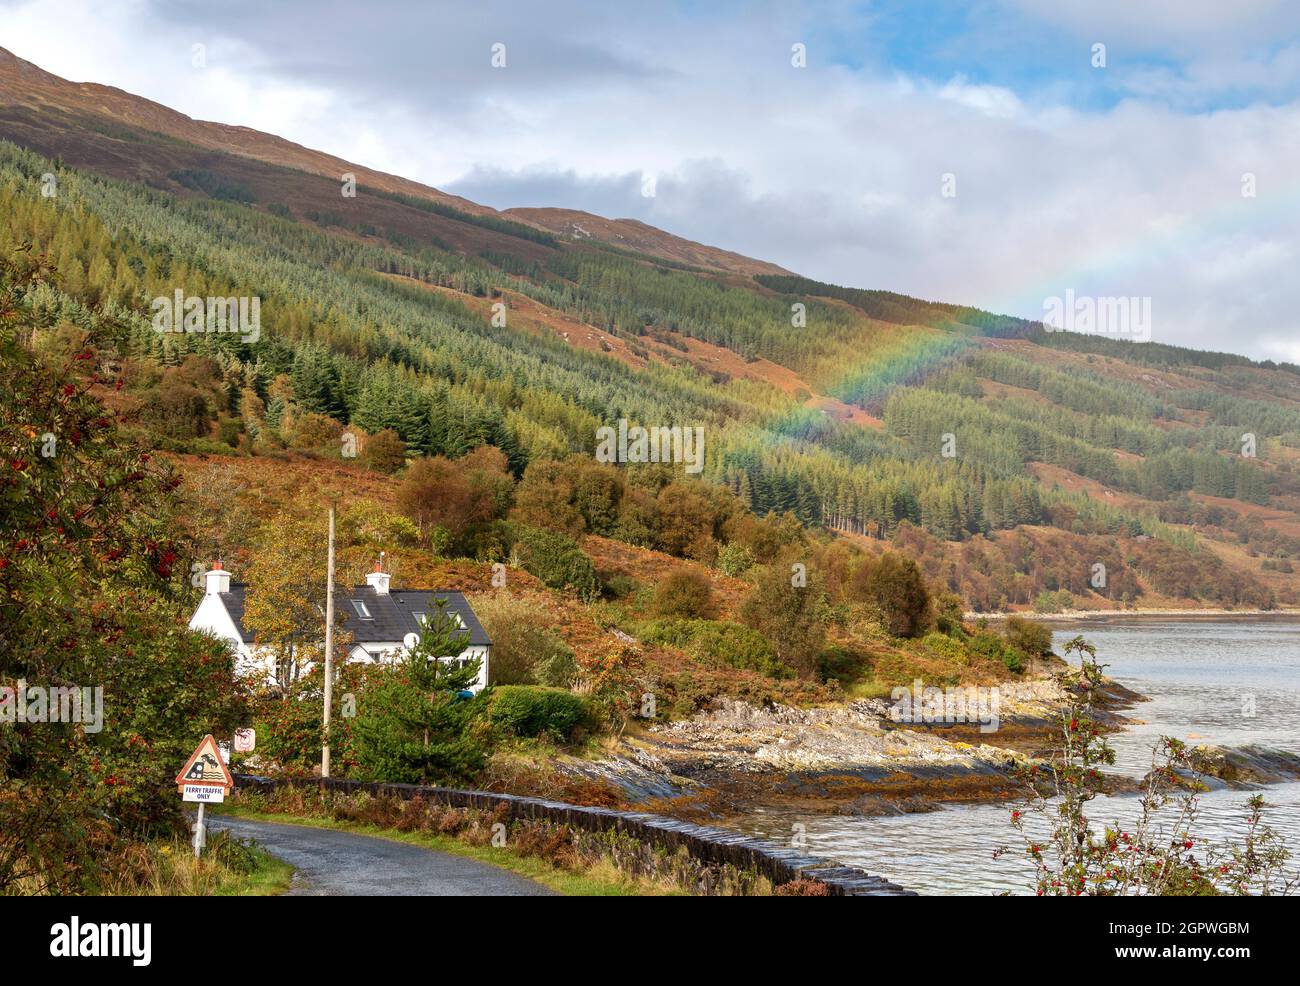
{"type": "Point", "coordinates": [990, 645]}
{"type": "Point", "coordinates": [684, 593]}
{"type": "Point", "coordinates": [734, 559]}
{"type": "Point", "coordinates": [524, 650]}
{"type": "Point", "coordinates": [1028, 636]}
{"type": "Point", "coordinates": [1053, 602]}
{"type": "Point", "coordinates": [533, 710]}
{"type": "Point", "coordinates": [948, 611]}
{"type": "Point", "coordinates": [619, 585]}
{"type": "Point", "coordinates": [558, 668]}
{"type": "Point", "coordinates": [384, 452]}
{"type": "Point", "coordinates": [557, 560]}
{"type": "Point", "coordinates": [842, 664]}
{"type": "Point", "coordinates": [1013, 658]}
{"type": "Point", "coordinates": [945, 646]}
{"type": "Point", "coordinates": [728, 643]}
{"type": "Point", "coordinates": [463, 496]}
{"type": "Point", "coordinates": [894, 587]}
{"type": "Point", "coordinates": [986, 644]}
{"type": "Point", "coordinates": [792, 617]}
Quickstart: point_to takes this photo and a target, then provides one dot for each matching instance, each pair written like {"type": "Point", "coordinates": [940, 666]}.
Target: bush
{"type": "Point", "coordinates": [842, 664]}
{"type": "Point", "coordinates": [986, 644]}
{"type": "Point", "coordinates": [734, 559]}
{"type": "Point", "coordinates": [990, 645]}
{"type": "Point", "coordinates": [384, 452]}
{"type": "Point", "coordinates": [533, 710]}
{"type": "Point", "coordinates": [464, 497]}
{"type": "Point", "coordinates": [894, 587]}
{"type": "Point", "coordinates": [712, 641]}
{"type": "Point", "coordinates": [945, 646]}
{"type": "Point", "coordinates": [524, 650]}
{"type": "Point", "coordinates": [684, 593]}
{"type": "Point", "coordinates": [557, 560]}
{"type": "Point", "coordinates": [948, 610]}
{"type": "Point", "coordinates": [1053, 602]}
{"type": "Point", "coordinates": [1013, 658]}
{"type": "Point", "coordinates": [1028, 636]}
{"type": "Point", "coordinates": [792, 617]}
{"type": "Point", "coordinates": [619, 585]}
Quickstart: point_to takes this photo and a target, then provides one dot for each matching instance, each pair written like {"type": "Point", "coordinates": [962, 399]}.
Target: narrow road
{"type": "Point", "coordinates": [331, 863]}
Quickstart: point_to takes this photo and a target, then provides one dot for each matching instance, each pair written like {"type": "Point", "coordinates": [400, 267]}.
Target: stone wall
{"type": "Point", "coordinates": [713, 846]}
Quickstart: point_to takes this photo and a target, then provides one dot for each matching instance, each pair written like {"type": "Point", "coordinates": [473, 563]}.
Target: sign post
{"type": "Point", "coordinates": [205, 779]}
{"type": "Point", "coordinates": [329, 651]}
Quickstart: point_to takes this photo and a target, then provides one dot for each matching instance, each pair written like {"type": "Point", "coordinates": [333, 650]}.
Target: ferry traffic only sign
{"type": "Point", "coordinates": [205, 778]}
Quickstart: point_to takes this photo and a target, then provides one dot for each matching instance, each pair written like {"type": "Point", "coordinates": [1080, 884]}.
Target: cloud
{"type": "Point", "coordinates": [1179, 25]}
{"type": "Point", "coordinates": [833, 171]}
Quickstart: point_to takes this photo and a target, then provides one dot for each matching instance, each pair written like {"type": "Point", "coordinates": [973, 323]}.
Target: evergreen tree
{"type": "Point", "coordinates": [413, 724]}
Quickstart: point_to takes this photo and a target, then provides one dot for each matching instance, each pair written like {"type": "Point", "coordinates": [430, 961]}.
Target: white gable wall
{"type": "Point", "coordinates": [212, 617]}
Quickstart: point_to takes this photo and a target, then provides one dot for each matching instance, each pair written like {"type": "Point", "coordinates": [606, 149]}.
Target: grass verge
{"type": "Point", "coordinates": [228, 868]}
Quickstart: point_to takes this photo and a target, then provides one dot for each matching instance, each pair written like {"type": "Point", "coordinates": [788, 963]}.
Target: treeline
{"type": "Point", "coordinates": [889, 306]}
{"type": "Point", "coordinates": [356, 340]}
{"type": "Point", "coordinates": [1154, 354]}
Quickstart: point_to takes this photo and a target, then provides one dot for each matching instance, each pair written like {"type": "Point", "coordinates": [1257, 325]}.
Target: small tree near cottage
{"type": "Point", "coordinates": [414, 725]}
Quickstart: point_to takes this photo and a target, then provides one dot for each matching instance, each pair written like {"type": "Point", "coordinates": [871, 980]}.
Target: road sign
{"type": "Point", "coordinates": [205, 779]}
{"type": "Point", "coordinates": [203, 793]}
{"type": "Point", "coordinates": [205, 768]}
{"type": "Point", "coordinates": [245, 740]}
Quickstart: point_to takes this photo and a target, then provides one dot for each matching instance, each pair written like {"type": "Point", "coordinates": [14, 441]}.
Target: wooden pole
{"type": "Point", "coordinates": [329, 650]}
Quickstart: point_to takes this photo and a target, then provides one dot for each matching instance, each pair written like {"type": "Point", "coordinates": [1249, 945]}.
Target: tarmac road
{"type": "Point", "coordinates": [330, 863]}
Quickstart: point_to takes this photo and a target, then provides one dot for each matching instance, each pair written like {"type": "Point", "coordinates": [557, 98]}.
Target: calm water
{"type": "Point", "coordinates": [1202, 678]}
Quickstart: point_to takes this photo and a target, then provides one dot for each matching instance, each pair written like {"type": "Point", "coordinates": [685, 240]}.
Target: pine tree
{"type": "Point", "coordinates": [414, 725]}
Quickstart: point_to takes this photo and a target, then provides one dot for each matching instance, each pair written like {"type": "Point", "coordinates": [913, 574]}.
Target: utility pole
{"type": "Point", "coordinates": [329, 650]}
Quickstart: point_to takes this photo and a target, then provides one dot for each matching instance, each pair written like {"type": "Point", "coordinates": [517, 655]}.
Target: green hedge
{"type": "Point", "coordinates": [531, 710]}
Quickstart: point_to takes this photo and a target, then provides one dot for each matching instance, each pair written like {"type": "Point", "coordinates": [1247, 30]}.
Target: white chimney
{"type": "Point", "coordinates": [218, 580]}
{"type": "Point", "coordinates": [378, 580]}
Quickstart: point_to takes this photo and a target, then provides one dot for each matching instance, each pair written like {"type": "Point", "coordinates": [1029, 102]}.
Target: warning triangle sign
{"type": "Point", "coordinates": [205, 766]}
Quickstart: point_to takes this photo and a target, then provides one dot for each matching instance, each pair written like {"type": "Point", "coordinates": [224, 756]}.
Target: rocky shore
{"type": "Point", "coordinates": [855, 758]}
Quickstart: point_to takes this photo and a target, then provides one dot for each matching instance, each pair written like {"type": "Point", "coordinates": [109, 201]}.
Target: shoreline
{"type": "Point", "coordinates": [1075, 615]}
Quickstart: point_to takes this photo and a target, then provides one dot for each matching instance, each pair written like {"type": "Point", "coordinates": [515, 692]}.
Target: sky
{"type": "Point", "coordinates": [986, 153]}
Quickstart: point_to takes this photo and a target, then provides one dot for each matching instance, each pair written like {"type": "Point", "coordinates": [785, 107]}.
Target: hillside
{"type": "Point", "coordinates": [115, 133]}
{"type": "Point", "coordinates": [830, 403]}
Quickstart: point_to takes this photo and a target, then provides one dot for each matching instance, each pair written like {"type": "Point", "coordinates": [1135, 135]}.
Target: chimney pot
{"type": "Point", "coordinates": [378, 581]}
{"type": "Point", "coordinates": [217, 580]}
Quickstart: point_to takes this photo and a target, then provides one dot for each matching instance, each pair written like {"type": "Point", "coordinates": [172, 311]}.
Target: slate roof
{"type": "Point", "coordinates": [393, 614]}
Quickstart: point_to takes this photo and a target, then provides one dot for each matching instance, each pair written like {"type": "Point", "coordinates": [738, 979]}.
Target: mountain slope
{"type": "Point", "coordinates": [58, 117]}
{"type": "Point", "coordinates": [640, 237]}
{"type": "Point", "coordinates": [380, 312]}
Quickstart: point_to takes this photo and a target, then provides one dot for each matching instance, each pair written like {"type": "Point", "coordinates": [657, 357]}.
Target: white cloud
{"type": "Point", "coordinates": [829, 171]}
{"type": "Point", "coordinates": [990, 100]}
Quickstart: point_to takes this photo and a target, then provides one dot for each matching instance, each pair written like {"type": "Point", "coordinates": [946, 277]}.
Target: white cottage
{"type": "Point", "coordinates": [379, 621]}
